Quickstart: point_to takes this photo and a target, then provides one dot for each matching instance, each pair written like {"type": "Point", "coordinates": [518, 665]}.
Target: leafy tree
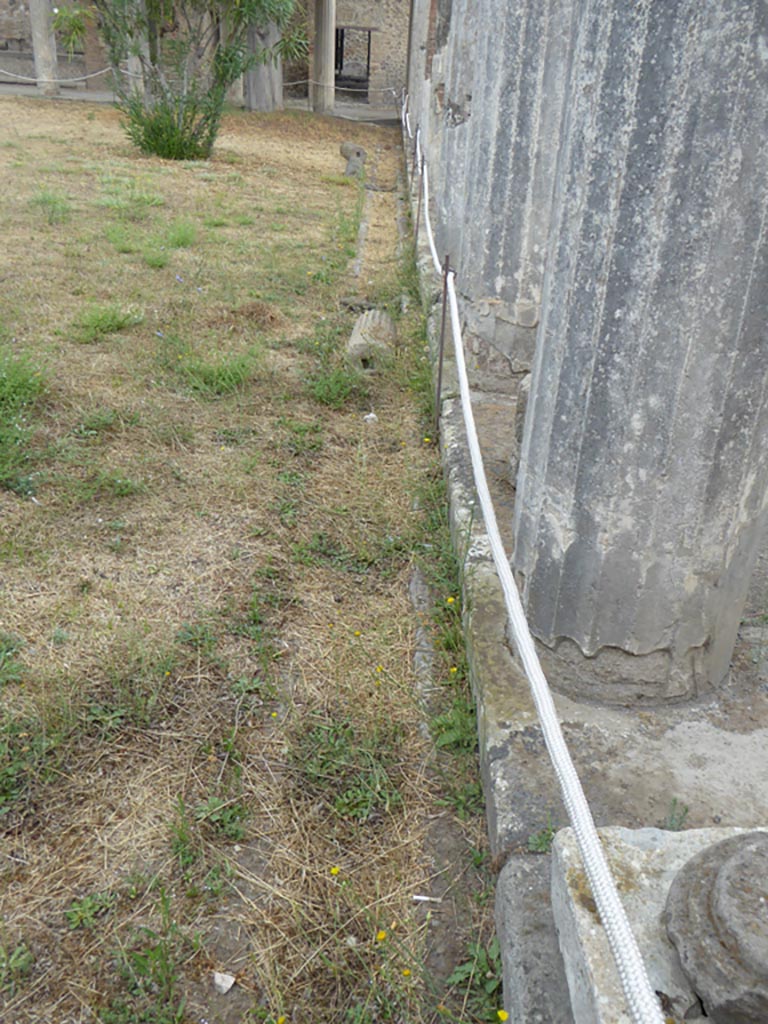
{"type": "Point", "coordinates": [183, 55]}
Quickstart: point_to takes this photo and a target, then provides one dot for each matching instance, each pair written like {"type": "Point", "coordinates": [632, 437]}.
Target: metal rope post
{"type": "Point", "coordinates": [446, 271]}
{"type": "Point", "coordinates": [418, 211]}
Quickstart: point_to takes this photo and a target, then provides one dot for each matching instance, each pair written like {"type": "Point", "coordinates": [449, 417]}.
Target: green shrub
{"type": "Point", "coordinates": [175, 127]}
{"type": "Point", "coordinates": [10, 667]}
{"type": "Point", "coordinates": [336, 386]}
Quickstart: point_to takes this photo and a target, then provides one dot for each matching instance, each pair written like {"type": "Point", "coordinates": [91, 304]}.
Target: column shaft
{"type": "Point", "coordinates": [44, 47]}
{"type": "Point", "coordinates": [642, 486]}
{"type": "Point", "coordinates": [323, 63]}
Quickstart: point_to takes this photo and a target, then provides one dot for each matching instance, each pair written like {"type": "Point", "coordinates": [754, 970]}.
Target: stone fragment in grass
{"type": "Point", "coordinates": [371, 341]}
{"type": "Point", "coordinates": [223, 982]}
{"type": "Point", "coordinates": [355, 156]}
{"type": "Point", "coordinates": [350, 149]}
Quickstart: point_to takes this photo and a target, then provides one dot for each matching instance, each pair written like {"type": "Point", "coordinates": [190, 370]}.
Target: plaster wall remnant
{"type": "Point", "coordinates": [387, 21]}
{"type": "Point", "coordinates": [643, 482]}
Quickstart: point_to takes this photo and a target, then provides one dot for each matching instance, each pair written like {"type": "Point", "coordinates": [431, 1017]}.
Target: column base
{"type": "Point", "coordinates": [613, 676]}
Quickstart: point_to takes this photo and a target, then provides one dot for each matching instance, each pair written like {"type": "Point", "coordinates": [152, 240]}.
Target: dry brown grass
{"type": "Point", "coordinates": [200, 578]}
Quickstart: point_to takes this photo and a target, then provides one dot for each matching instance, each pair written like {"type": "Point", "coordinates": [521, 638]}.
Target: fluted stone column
{"type": "Point", "coordinates": [264, 83]}
{"type": "Point", "coordinates": [44, 47]}
{"type": "Point", "coordinates": [323, 89]}
{"type": "Point", "coordinates": [496, 75]}
{"type": "Point", "coordinates": [513, 112]}
{"type": "Point", "coordinates": [642, 486]}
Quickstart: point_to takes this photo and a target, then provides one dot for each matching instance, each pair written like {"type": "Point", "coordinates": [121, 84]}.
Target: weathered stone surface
{"type": "Point", "coordinates": [350, 149]}
{"type": "Point", "coordinates": [631, 763]}
{"type": "Point", "coordinates": [494, 85]}
{"type": "Point", "coordinates": [263, 85]}
{"type": "Point", "coordinates": [644, 470]}
{"type": "Point", "coordinates": [717, 917]}
{"type": "Point", "coordinates": [223, 982]}
{"type": "Point", "coordinates": [371, 341]}
{"type": "Point", "coordinates": [44, 46]}
{"type": "Point", "coordinates": [354, 167]}
{"type": "Point", "coordinates": [535, 989]}
{"type": "Point", "coordinates": [355, 156]}
{"type": "Point", "coordinates": [644, 864]}
{"type": "Point", "coordinates": [322, 89]}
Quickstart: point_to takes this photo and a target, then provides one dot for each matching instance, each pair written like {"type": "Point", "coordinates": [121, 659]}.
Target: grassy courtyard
{"type": "Point", "coordinates": [214, 751]}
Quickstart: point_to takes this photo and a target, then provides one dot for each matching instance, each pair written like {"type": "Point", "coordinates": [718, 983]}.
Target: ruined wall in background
{"type": "Point", "coordinates": [17, 58]}
{"type": "Point", "coordinates": [15, 31]}
{"type": "Point", "coordinates": [15, 40]}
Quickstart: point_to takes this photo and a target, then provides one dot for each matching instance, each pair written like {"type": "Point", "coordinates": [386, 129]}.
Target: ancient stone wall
{"type": "Point", "coordinates": [16, 56]}
{"type": "Point", "coordinates": [15, 31]}
{"type": "Point", "coordinates": [15, 40]}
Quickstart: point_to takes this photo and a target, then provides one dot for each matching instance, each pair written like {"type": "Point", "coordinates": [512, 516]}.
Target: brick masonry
{"type": "Point", "coordinates": [16, 56]}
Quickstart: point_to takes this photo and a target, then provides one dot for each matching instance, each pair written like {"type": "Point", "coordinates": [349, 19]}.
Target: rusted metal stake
{"type": "Point", "coordinates": [446, 271]}
{"type": "Point", "coordinates": [418, 212]}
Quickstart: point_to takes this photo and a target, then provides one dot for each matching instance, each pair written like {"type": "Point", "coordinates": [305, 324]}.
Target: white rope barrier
{"type": "Point", "coordinates": [405, 117]}
{"type": "Point", "coordinates": [384, 90]}
{"type": "Point", "coordinates": [55, 81]}
{"type": "Point", "coordinates": [427, 222]}
{"type": "Point", "coordinates": [641, 1000]}
{"type": "Point", "coordinates": [388, 91]}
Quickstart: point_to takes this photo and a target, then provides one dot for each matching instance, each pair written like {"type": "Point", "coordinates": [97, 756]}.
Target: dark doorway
{"type": "Point", "coordinates": [353, 61]}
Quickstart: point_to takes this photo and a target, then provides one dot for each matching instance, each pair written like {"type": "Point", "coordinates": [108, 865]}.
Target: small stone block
{"type": "Point", "coordinates": [223, 982]}
{"type": "Point", "coordinates": [351, 149]}
{"type": "Point", "coordinates": [371, 340]}
{"type": "Point", "coordinates": [354, 167]}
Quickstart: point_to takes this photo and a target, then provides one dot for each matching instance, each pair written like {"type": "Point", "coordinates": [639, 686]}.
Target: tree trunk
{"type": "Point", "coordinates": [44, 47]}
{"type": "Point", "coordinates": [264, 83]}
